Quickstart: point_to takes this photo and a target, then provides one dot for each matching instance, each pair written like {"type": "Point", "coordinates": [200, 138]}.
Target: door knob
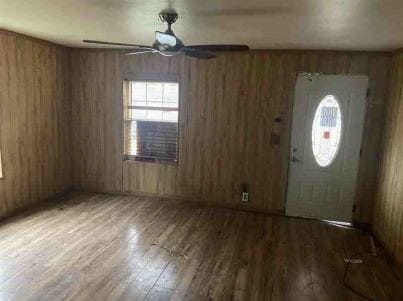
{"type": "Point", "coordinates": [295, 159]}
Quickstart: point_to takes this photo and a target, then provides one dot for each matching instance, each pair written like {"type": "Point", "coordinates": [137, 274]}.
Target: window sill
{"type": "Point", "coordinates": [149, 160]}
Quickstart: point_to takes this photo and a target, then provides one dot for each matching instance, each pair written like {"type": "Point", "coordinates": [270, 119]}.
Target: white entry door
{"type": "Point", "coordinates": [328, 120]}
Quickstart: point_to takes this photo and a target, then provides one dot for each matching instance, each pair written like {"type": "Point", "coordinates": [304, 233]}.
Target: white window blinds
{"type": "Point", "coordinates": [151, 121]}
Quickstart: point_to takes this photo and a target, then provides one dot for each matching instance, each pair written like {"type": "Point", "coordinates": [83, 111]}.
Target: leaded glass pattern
{"type": "Point", "coordinates": [326, 131]}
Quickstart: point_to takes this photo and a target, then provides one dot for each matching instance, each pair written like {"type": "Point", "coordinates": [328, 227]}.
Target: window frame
{"type": "Point", "coordinates": [150, 77]}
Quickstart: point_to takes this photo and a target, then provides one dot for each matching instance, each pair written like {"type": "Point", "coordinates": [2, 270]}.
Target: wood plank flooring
{"type": "Point", "coordinates": [106, 247]}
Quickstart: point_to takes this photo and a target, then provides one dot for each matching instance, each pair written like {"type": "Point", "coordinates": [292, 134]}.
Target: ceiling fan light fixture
{"type": "Point", "coordinates": [165, 39]}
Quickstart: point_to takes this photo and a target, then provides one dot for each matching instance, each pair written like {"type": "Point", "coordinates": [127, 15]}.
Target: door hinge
{"type": "Point", "coordinates": [368, 92]}
{"type": "Point", "coordinates": [360, 152]}
{"type": "Point", "coordinates": [354, 208]}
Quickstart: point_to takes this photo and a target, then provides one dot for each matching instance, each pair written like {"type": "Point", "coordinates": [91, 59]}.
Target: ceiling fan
{"type": "Point", "coordinates": [168, 44]}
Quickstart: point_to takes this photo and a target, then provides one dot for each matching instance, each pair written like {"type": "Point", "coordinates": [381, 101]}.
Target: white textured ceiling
{"type": "Point", "coordinates": [293, 24]}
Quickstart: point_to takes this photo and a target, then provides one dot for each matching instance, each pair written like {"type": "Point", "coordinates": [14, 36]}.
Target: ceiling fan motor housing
{"type": "Point", "coordinates": [168, 17]}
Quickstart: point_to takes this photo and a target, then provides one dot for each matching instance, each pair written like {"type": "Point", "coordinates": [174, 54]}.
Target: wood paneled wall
{"type": "Point", "coordinates": [228, 128]}
{"type": "Point", "coordinates": [228, 125]}
{"type": "Point", "coordinates": [34, 121]}
{"type": "Point", "coordinates": [388, 213]}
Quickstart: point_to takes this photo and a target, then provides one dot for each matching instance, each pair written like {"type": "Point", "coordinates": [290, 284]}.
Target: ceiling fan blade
{"type": "Point", "coordinates": [223, 47]}
{"type": "Point", "coordinates": [141, 51]}
{"type": "Point", "coordinates": [200, 54]}
{"type": "Point", "coordinates": [165, 38]}
{"type": "Point", "coordinates": [115, 44]}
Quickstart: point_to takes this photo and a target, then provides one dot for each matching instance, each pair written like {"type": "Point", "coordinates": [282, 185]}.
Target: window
{"type": "Point", "coordinates": [151, 121]}
{"type": "Point", "coordinates": [326, 131]}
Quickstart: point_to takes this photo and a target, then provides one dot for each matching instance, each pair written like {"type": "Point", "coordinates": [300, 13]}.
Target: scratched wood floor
{"type": "Point", "coordinates": [105, 247]}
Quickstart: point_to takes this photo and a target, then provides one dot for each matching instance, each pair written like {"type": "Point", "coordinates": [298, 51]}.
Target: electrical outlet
{"type": "Point", "coordinates": [245, 197]}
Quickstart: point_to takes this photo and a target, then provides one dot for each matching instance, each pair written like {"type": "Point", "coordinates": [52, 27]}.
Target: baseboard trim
{"type": "Point", "coordinates": [241, 207]}
{"type": "Point", "coordinates": [37, 205]}
{"type": "Point", "coordinates": [397, 267]}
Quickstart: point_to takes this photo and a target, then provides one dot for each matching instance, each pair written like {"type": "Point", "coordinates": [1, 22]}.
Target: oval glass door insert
{"type": "Point", "coordinates": [326, 131]}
